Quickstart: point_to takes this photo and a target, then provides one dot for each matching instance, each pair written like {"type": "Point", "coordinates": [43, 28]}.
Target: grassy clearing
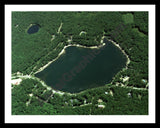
{"type": "Point", "coordinates": [128, 18]}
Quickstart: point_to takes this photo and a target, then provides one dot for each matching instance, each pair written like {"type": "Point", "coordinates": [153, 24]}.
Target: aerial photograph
{"type": "Point", "coordinates": [79, 63]}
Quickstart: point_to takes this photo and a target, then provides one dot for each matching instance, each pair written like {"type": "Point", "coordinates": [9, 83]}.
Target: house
{"type": "Point", "coordinates": [101, 106]}
{"type": "Point", "coordinates": [16, 81]}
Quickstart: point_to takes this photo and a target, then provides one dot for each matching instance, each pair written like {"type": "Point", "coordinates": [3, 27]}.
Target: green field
{"type": "Point", "coordinates": [128, 18]}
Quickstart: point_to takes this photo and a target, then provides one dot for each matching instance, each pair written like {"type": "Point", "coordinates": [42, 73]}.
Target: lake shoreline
{"type": "Point", "coordinates": [117, 45]}
{"type": "Point", "coordinates": [78, 45]}
{"type": "Point", "coordinates": [63, 51]}
{"type": "Point", "coordinates": [81, 46]}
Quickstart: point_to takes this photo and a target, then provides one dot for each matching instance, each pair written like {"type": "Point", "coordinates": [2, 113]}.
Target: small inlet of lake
{"type": "Point", "coordinates": [80, 68]}
{"type": "Point", "coordinates": [33, 29]}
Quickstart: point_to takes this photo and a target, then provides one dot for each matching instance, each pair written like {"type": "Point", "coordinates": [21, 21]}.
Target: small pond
{"type": "Point", "coordinates": [33, 29]}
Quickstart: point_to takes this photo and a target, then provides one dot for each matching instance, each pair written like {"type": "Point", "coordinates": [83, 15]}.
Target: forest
{"type": "Point", "coordinates": [32, 51]}
{"type": "Point", "coordinates": [31, 98]}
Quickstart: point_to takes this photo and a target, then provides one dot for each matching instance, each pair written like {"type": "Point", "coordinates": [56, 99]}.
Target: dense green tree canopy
{"type": "Point", "coordinates": [32, 51]}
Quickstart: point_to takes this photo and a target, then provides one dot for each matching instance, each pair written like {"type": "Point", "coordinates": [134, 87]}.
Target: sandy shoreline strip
{"type": "Point", "coordinates": [63, 51]}
{"type": "Point", "coordinates": [92, 47]}
{"type": "Point", "coordinates": [81, 46]}
{"type": "Point", "coordinates": [117, 45]}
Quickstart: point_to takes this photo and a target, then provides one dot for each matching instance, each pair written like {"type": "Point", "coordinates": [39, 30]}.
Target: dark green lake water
{"type": "Point", "coordinates": [83, 68]}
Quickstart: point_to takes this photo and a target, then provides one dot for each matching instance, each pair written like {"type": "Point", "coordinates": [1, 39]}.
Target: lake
{"type": "Point", "coordinates": [33, 29]}
{"type": "Point", "coordinates": [80, 68]}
